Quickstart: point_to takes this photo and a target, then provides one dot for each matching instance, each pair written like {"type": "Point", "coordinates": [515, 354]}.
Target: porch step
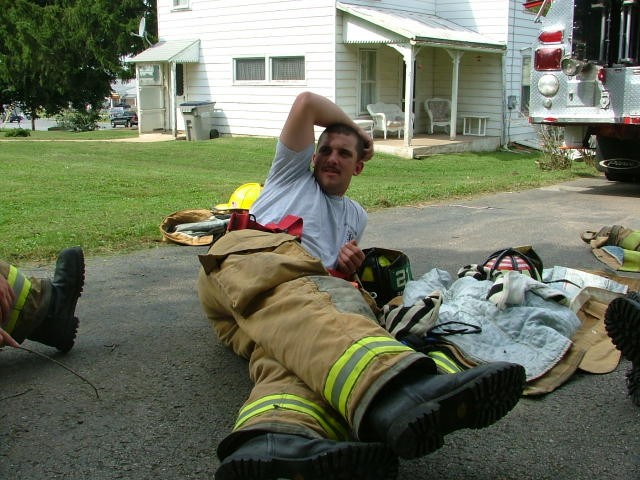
{"type": "Point", "coordinates": [424, 146]}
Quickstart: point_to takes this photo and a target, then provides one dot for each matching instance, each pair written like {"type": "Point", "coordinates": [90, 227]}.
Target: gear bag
{"type": "Point", "coordinates": [520, 259]}
{"type": "Point", "coordinates": [384, 273]}
{"type": "Point", "coordinates": [194, 227]}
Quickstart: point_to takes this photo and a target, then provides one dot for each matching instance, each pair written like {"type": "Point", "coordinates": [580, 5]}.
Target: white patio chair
{"type": "Point", "coordinates": [439, 112]}
{"type": "Point", "coordinates": [386, 117]}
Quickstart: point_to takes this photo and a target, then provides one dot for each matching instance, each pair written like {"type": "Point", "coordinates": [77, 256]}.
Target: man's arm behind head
{"type": "Point", "coordinates": [310, 110]}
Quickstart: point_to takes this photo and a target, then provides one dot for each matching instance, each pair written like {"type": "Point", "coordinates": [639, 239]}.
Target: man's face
{"type": "Point", "coordinates": [335, 162]}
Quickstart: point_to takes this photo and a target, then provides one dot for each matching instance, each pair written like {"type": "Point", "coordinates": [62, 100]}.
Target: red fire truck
{"type": "Point", "coordinates": [586, 78]}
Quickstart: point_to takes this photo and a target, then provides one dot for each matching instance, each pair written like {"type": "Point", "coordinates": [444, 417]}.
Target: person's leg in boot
{"type": "Point", "coordinates": [286, 431]}
{"type": "Point", "coordinates": [321, 329]}
{"type": "Point", "coordinates": [416, 410]}
{"type": "Point", "coordinates": [622, 321]}
{"type": "Point", "coordinates": [44, 310]}
{"type": "Point", "coordinates": [60, 326]}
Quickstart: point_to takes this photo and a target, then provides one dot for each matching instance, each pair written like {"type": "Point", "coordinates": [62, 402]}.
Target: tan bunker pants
{"type": "Point", "coordinates": [317, 355]}
{"type": "Point", "coordinates": [32, 297]}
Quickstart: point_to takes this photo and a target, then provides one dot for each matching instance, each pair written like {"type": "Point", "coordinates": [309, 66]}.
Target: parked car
{"type": "Point", "coordinates": [15, 117]}
{"type": "Point", "coordinates": [127, 119]}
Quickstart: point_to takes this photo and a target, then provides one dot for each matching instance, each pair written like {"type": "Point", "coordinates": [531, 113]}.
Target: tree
{"type": "Point", "coordinates": [60, 53]}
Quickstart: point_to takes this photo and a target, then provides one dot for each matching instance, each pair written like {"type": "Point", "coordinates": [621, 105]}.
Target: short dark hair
{"type": "Point", "coordinates": [345, 129]}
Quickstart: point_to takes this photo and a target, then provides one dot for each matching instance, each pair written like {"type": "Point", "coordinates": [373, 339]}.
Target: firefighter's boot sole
{"type": "Point", "coordinates": [273, 456]}
{"type": "Point", "coordinates": [622, 321]}
{"type": "Point", "coordinates": [413, 417]}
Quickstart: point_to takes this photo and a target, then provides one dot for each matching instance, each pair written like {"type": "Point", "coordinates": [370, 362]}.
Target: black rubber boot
{"type": "Point", "coordinates": [60, 325]}
{"type": "Point", "coordinates": [414, 412]}
{"type": "Point", "coordinates": [622, 321]}
{"type": "Point", "coordinates": [271, 456]}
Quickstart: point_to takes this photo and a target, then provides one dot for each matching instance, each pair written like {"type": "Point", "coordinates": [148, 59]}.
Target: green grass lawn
{"type": "Point", "coordinates": [112, 196]}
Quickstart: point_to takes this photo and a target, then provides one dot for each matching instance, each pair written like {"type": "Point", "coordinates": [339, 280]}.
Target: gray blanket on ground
{"type": "Point", "coordinates": [536, 334]}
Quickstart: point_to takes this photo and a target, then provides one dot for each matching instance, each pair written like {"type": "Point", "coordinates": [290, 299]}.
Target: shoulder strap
{"type": "Point", "coordinates": [289, 224]}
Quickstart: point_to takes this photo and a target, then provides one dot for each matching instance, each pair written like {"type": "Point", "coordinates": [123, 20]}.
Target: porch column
{"type": "Point", "coordinates": [455, 55]}
{"type": "Point", "coordinates": [172, 99]}
{"type": "Point", "coordinates": [409, 58]}
{"type": "Point", "coordinates": [409, 53]}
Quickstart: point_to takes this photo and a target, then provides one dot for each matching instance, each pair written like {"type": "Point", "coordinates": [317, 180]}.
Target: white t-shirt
{"type": "Point", "coordinates": [291, 189]}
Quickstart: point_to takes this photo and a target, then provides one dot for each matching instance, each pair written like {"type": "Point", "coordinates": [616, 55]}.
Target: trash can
{"type": "Point", "coordinates": [198, 120]}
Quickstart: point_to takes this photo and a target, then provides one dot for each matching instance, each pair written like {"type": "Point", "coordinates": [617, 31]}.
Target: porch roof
{"type": "Point", "coordinates": [173, 51]}
{"type": "Point", "coordinates": [387, 25]}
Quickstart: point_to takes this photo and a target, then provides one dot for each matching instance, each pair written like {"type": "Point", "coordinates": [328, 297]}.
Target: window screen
{"type": "Point", "coordinates": [250, 69]}
{"type": "Point", "coordinates": [287, 68]}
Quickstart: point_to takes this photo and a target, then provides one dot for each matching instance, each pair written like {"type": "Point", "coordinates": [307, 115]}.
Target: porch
{"type": "Point", "coordinates": [424, 145]}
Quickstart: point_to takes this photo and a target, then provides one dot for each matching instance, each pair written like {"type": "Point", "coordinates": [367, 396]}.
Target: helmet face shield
{"type": "Point", "coordinates": [242, 198]}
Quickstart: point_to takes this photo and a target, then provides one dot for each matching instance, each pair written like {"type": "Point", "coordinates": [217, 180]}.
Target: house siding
{"type": "Point", "coordinates": [522, 34]}
{"type": "Point", "coordinates": [253, 28]}
{"type": "Point", "coordinates": [313, 29]}
{"type": "Point", "coordinates": [487, 17]}
{"type": "Point", "coordinates": [422, 6]}
{"type": "Point", "coordinates": [505, 21]}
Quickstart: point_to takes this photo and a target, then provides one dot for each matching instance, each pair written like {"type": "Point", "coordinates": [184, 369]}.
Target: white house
{"type": "Point", "coordinates": [252, 57]}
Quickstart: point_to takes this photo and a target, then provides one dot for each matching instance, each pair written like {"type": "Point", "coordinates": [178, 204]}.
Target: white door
{"type": "Point", "coordinates": [151, 95]}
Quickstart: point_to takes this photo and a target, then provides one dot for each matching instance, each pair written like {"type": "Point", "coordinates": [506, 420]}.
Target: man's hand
{"type": "Point", "coordinates": [368, 146]}
{"type": "Point", "coordinates": [6, 339]}
{"type": "Point", "coordinates": [7, 297]}
{"type": "Point", "coordinates": [350, 258]}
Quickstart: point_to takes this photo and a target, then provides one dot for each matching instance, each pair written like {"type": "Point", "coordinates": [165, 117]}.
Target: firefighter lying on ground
{"type": "Point", "coordinates": [40, 309]}
{"type": "Point", "coordinates": [335, 395]}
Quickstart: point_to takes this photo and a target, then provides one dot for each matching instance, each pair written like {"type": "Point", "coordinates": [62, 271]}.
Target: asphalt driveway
{"type": "Point", "coordinates": [169, 392]}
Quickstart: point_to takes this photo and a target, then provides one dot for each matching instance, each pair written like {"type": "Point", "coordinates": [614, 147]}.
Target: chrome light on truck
{"type": "Point", "coordinates": [571, 67]}
{"type": "Point", "coordinates": [548, 85]}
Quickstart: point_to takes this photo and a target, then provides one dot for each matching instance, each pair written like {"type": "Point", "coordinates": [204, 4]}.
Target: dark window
{"type": "Point", "coordinates": [179, 79]}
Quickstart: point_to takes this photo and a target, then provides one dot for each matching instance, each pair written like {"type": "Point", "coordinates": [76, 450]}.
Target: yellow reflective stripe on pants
{"type": "Point", "coordinates": [444, 362]}
{"type": "Point", "coordinates": [345, 372]}
{"type": "Point", "coordinates": [334, 429]}
{"type": "Point", "coordinates": [21, 285]}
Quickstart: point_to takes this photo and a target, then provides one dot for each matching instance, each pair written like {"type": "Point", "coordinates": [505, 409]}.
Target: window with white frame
{"type": "Point", "coordinates": [270, 69]}
{"type": "Point", "coordinates": [287, 68]}
{"type": "Point", "coordinates": [525, 89]}
{"type": "Point", "coordinates": [367, 79]}
{"type": "Point", "coordinates": [180, 4]}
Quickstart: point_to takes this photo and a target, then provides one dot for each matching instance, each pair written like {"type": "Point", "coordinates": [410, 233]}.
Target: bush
{"type": "Point", "coordinates": [554, 155]}
{"type": "Point", "coordinates": [78, 120]}
{"type": "Point", "coordinates": [17, 132]}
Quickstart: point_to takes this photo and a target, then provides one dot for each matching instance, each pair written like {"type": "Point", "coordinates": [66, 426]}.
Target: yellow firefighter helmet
{"type": "Point", "coordinates": [242, 198]}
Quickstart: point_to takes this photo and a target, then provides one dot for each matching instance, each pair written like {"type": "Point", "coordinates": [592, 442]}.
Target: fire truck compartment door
{"type": "Point", "coordinates": [581, 93]}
